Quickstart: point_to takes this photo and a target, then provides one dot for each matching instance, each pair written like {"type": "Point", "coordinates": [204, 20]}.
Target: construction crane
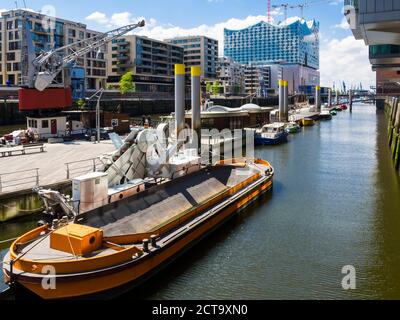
{"type": "Point", "coordinates": [269, 20]}
{"type": "Point", "coordinates": [43, 69]}
{"type": "Point", "coordinates": [283, 5]}
{"type": "Point", "coordinates": [301, 6]}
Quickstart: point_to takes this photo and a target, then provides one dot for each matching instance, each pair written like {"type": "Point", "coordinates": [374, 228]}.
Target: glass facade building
{"type": "Point", "coordinates": [264, 43]}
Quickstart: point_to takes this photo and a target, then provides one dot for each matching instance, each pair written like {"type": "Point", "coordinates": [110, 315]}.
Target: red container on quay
{"type": "Point", "coordinates": [52, 98]}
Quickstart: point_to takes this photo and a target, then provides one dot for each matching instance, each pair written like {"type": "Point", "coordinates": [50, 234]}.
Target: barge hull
{"type": "Point", "coordinates": [117, 282]}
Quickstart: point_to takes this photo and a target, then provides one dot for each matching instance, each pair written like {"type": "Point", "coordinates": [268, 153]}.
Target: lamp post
{"type": "Point", "coordinates": [98, 94]}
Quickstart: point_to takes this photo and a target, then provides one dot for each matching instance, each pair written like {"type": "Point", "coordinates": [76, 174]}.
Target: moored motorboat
{"type": "Point", "coordinates": [306, 122]}
{"type": "Point", "coordinates": [343, 107]}
{"type": "Point", "coordinates": [325, 115]}
{"type": "Point", "coordinates": [333, 112]}
{"type": "Point", "coordinates": [271, 134]}
{"type": "Point", "coordinates": [292, 127]}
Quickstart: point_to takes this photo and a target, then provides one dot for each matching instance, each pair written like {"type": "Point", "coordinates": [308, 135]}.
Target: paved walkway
{"type": "Point", "coordinates": [51, 163]}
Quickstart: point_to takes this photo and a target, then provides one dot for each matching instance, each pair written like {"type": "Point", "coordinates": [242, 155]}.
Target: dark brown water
{"type": "Point", "coordinates": [335, 202]}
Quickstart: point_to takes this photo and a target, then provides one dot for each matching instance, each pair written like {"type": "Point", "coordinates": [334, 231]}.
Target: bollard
{"type": "Point", "coordinates": [351, 100]}
{"type": "Point", "coordinates": [153, 241]}
{"type": "Point", "coordinates": [54, 225]}
{"type": "Point", "coordinates": [196, 105]}
{"type": "Point", "coordinates": [179, 98]}
{"type": "Point", "coordinates": [286, 102]}
{"type": "Point", "coordinates": [281, 99]}
{"type": "Point", "coordinates": [145, 245]}
{"type": "Point", "coordinates": [318, 98]}
{"type": "Point", "coordinates": [329, 97]}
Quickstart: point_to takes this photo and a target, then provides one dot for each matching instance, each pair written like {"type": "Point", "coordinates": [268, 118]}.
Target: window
{"type": "Point", "coordinates": [11, 56]}
{"type": "Point", "coordinates": [17, 66]}
{"type": "Point", "coordinates": [45, 123]}
{"type": "Point", "coordinates": [11, 35]}
{"type": "Point", "coordinates": [16, 45]}
{"type": "Point", "coordinates": [9, 25]}
{"type": "Point", "coordinates": [81, 34]}
{"type": "Point", "coordinates": [72, 33]}
{"type": "Point", "coordinates": [32, 123]}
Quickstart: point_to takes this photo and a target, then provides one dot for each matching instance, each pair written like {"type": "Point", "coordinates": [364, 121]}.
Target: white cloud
{"type": "Point", "coordinates": [97, 17]}
{"type": "Point", "coordinates": [343, 24]}
{"type": "Point", "coordinates": [345, 60]}
{"type": "Point", "coordinates": [162, 32]}
{"type": "Point", "coordinates": [340, 59]}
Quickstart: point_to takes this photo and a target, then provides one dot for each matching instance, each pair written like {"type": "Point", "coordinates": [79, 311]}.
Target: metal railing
{"type": "Point", "coordinates": [12, 180]}
{"type": "Point", "coordinates": [81, 167]}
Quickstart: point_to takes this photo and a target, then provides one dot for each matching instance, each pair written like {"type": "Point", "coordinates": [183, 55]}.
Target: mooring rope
{"type": "Point", "coordinates": [8, 240]}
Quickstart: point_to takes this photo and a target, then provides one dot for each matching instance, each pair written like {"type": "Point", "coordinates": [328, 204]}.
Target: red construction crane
{"type": "Point", "coordinates": [269, 11]}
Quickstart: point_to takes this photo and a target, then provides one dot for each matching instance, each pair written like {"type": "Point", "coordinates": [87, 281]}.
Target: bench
{"type": "Point", "coordinates": [4, 152]}
{"type": "Point", "coordinates": [31, 146]}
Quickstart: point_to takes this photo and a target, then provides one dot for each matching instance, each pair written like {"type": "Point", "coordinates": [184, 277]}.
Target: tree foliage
{"type": "Point", "coordinates": [215, 88]}
{"type": "Point", "coordinates": [126, 83]}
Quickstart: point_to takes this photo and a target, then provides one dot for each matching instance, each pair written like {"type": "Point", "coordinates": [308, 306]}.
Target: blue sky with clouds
{"type": "Point", "coordinates": [342, 57]}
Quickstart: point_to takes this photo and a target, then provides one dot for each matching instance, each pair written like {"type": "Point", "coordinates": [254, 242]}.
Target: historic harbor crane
{"type": "Point", "coordinates": [41, 72]}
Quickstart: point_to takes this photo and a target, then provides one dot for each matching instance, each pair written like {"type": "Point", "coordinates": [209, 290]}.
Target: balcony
{"type": "Point", "coordinates": [122, 58]}
{"type": "Point", "coordinates": [122, 49]}
{"type": "Point", "coordinates": [374, 21]}
{"type": "Point", "coordinates": [384, 56]}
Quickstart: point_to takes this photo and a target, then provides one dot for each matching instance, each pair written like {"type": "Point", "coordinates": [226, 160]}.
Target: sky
{"type": "Point", "coordinates": [342, 58]}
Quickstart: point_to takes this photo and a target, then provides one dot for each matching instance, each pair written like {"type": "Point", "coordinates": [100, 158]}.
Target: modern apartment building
{"type": "Point", "coordinates": [151, 61]}
{"type": "Point", "coordinates": [377, 23]}
{"type": "Point", "coordinates": [199, 51]}
{"type": "Point", "coordinates": [297, 76]}
{"type": "Point", "coordinates": [64, 32]}
{"type": "Point", "coordinates": [257, 80]}
{"type": "Point", "coordinates": [265, 44]}
{"type": "Point", "coordinates": [231, 76]}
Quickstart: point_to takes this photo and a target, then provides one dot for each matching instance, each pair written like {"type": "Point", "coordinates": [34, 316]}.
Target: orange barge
{"type": "Point", "coordinates": [111, 249]}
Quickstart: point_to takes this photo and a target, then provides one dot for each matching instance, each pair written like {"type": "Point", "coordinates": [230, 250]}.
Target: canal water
{"type": "Point", "coordinates": [335, 203]}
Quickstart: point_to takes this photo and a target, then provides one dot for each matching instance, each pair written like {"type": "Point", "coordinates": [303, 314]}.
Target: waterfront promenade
{"type": "Point", "coordinates": [51, 164]}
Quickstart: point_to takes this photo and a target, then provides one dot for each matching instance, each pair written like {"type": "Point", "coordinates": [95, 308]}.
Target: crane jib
{"type": "Point", "coordinates": [49, 64]}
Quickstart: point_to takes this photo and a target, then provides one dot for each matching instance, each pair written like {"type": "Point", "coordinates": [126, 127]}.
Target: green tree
{"type": "Point", "coordinates": [81, 103]}
{"type": "Point", "coordinates": [215, 88]}
{"type": "Point", "coordinates": [208, 87]}
{"type": "Point", "coordinates": [126, 83]}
